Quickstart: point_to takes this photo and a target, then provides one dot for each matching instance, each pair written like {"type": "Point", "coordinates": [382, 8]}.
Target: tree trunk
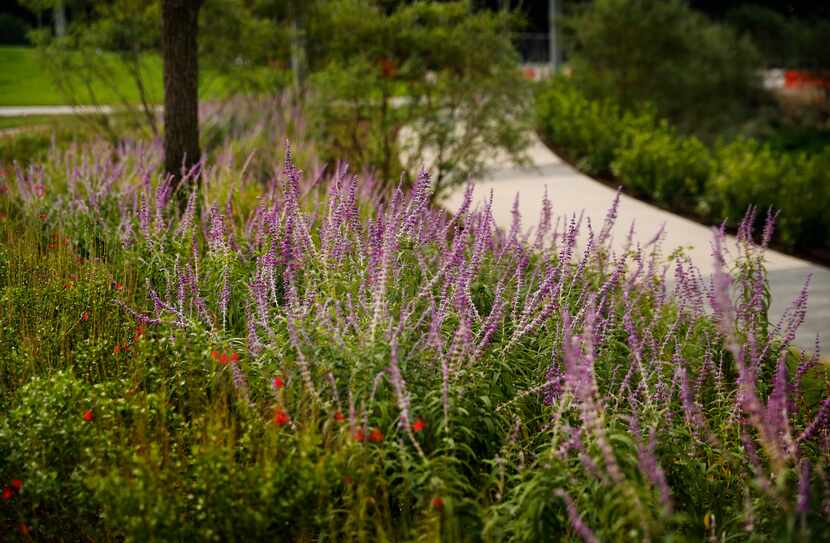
{"type": "Point", "coordinates": [179, 26]}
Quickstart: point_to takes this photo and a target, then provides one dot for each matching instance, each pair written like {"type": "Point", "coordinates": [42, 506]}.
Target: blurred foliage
{"type": "Point", "coordinates": [700, 75]}
{"type": "Point", "coordinates": [652, 159]}
{"type": "Point", "coordinates": [46, 136]}
{"type": "Point", "coordinates": [79, 66]}
{"type": "Point", "coordinates": [389, 86]}
{"type": "Point", "coordinates": [785, 42]}
{"type": "Point", "coordinates": [671, 168]}
{"type": "Point", "coordinates": [796, 183]}
{"type": "Point", "coordinates": [13, 30]}
{"type": "Point", "coordinates": [430, 85]}
{"type": "Point", "coordinates": [586, 130]}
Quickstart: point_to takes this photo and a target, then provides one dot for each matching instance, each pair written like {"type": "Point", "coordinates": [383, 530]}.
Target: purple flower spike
{"type": "Point", "coordinates": [579, 527]}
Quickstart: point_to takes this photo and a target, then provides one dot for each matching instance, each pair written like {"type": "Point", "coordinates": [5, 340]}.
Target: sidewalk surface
{"type": "Point", "coordinates": [572, 192]}
{"type": "Point", "coordinates": [26, 111]}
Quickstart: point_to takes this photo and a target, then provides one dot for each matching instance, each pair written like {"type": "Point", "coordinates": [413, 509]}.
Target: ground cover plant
{"type": "Point", "coordinates": [306, 356]}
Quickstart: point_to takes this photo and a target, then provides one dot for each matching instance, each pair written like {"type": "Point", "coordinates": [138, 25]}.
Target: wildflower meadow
{"type": "Point", "coordinates": [267, 353]}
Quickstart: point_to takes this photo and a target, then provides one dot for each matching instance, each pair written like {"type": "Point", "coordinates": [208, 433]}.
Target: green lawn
{"type": "Point", "coordinates": [25, 81]}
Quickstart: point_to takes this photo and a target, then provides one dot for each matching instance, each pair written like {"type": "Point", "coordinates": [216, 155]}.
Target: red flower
{"type": "Point", "coordinates": [419, 425]}
{"type": "Point", "coordinates": [214, 355]}
{"type": "Point", "coordinates": [359, 435]}
{"type": "Point", "coordinates": [88, 416]}
{"type": "Point", "coordinates": [339, 416]}
{"type": "Point", "coordinates": [234, 357]}
{"type": "Point", "coordinates": [118, 286]}
{"type": "Point", "coordinates": [278, 382]}
{"type": "Point", "coordinates": [139, 331]}
{"type": "Point", "coordinates": [438, 503]}
{"type": "Point", "coordinates": [17, 484]}
{"type": "Point", "coordinates": [376, 436]}
{"type": "Point", "coordinates": [223, 359]}
{"type": "Point", "coordinates": [117, 349]}
{"type": "Point", "coordinates": [85, 316]}
{"type": "Point", "coordinates": [281, 417]}
{"type": "Point", "coordinates": [24, 528]}
{"type": "Point", "coordinates": [7, 493]}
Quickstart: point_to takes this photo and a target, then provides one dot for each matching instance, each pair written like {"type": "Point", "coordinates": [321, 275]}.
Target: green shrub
{"type": "Point", "coordinates": [587, 131]}
{"type": "Point", "coordinates": [784, 41]}
{"type": "Point", "coordinates": [749, 172]}
{"type": "Point", "coordinates": [651, 158]}
{"type": "Point", "coordinates": [658, 162]}
{"type": "Point", "coordinates": [58, 428]}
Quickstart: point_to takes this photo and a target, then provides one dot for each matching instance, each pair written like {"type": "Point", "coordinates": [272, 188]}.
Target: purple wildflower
{"type": "Point", "coordinates": [578, 526]}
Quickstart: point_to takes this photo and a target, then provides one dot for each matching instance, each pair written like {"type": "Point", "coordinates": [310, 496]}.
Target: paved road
{"type": "Point", "coordinates": [571, 191]}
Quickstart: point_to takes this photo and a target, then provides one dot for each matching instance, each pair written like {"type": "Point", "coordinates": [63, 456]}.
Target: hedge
{"type": "Point", "coordinates": [652, 159]}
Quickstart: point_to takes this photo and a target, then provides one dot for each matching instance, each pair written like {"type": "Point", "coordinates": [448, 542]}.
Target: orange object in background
{"type": "Point", "coordinates": [794, 79]}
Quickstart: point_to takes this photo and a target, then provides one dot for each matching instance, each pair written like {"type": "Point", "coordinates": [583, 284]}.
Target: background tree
{"type": "Point", "coordinates": [399, 86]}
{"type": "Point", "coordinates": [699, 74]}
{"type": "Point", "coordinates": [108, 57]}
{"type": "Point", "coordinates": [180, 51]}
{"type": "Point", "coordinates": [387, 85]}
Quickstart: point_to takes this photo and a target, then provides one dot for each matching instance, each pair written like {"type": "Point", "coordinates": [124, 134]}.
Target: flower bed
{"type": "Point", "coordinates": [312, 358]}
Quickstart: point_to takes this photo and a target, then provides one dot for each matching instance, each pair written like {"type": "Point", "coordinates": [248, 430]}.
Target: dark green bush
{"type": "Point", "coordinates": [699, 74]}
{"type": "Point", "coordinates": [784, 41]}
{"type": "Point", "coordinates": [13, 30]}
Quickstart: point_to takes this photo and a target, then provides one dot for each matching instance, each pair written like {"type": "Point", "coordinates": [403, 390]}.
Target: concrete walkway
{"type": "Point", "coordinates": [571, 191]}
{"type": "Point", "coordinates": [27, 111]}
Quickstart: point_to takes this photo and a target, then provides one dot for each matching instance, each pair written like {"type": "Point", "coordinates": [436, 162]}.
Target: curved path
{"type": "Point", "coordinates": [571, 191]}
